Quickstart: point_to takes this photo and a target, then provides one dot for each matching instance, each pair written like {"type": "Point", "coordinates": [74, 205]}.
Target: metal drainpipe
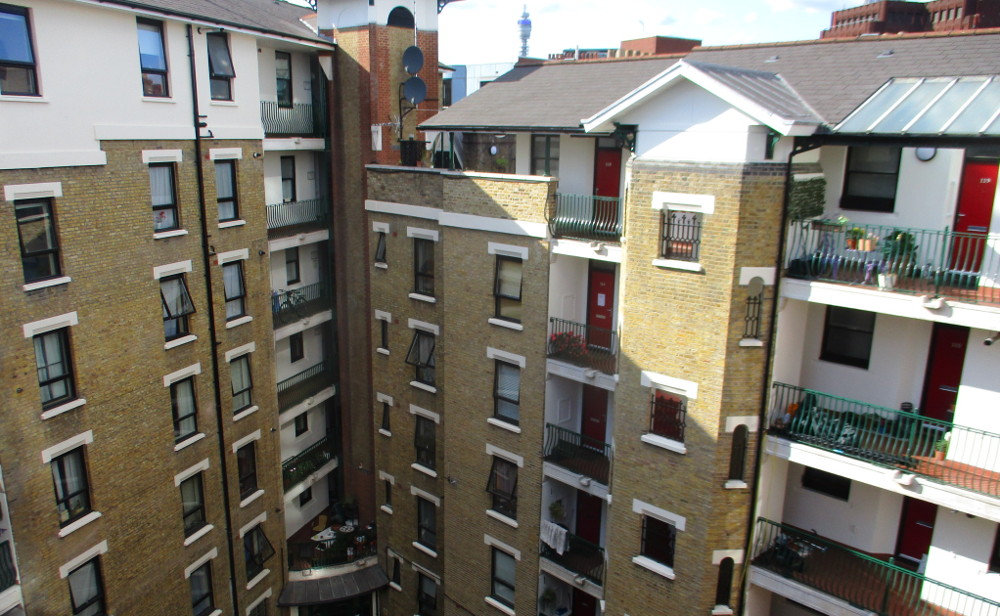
{"type": "Point", "coordinates": [206, 256]}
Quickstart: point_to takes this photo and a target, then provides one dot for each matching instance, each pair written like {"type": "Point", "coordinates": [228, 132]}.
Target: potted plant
{"type": "Point", "coordinates": [868, 242]}
{"type": "Point", "coordinates": [886, 277]}
{"type": "Point", "coordinates": [830, 224]}
{"type": "Point", "coordinates": [556, 509]}
{"type": "Point", "coordinates": [899, 249]}
{"type": "Point", "coordinates": [852, 237]}
{"type": "Point", "coordinates": [568, 345]}
{"type": "Point", "coordinates": [941, 447]}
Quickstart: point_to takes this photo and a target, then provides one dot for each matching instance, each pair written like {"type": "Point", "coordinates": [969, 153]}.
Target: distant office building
{"type": "Point", "coordinates": [892, 16]}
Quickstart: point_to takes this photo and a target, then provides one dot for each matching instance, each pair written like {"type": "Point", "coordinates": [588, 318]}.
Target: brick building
{"type": "Point", "coordinates": [897, 16]}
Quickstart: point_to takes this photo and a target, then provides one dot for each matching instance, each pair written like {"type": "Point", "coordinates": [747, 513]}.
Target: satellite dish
{"type": "Point", "coordinates": [413, 60]}
{"type": "Point", "coordinates": [756, 285]}
{"type": "Point", "coordinates": [414, 89]}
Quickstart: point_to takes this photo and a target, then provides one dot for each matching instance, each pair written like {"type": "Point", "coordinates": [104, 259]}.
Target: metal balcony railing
{"type": "Point", "coordinates": [863, 581]}
{"type": "Point", "coordinates": [300, 466]}
{"type": "Point", "coordinates": [8, 572]}
{"type": "Point", "coordinates": [291, 305]}
{"type": "Point", "coordinates": [960, 266]}
{"type": "Point", "coordinates": [300, 386]}
{"type": "Point", "coordinates": [579, 556]}
{"type": "Point", "coordinates": [583, 345]}
{"type": "Point", "coordinates": [298, 119]}
{"type": "Point", "coordinates": [577, 453]}
{"type": "Point", "coordinates": [345, 548]}
{"type": "Point", "coordinates": [306, 211]}
{"type": "Point", "coordinates": [965, 457]}
{"type": "Point", "coordinates": [587, 217]}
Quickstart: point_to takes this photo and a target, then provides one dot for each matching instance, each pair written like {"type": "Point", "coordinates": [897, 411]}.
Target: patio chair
{"type": "Point", "coordinates": [321, 523]}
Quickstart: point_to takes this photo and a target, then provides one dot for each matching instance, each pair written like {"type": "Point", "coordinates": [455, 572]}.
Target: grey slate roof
{"type": "Point", "coordinates": [263, 15]}
{"type": "Point", "coordinates": [766, 89]}
{"type": "Point", "coordinates": [335, 588]}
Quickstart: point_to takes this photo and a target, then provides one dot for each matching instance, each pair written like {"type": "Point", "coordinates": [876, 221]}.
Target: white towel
{"type": "Point", "coordinates": [553, 536]}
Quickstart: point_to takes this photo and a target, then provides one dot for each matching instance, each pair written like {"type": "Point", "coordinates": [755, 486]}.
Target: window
{"type": "Point", "coordinates": [385, 417]}
{"type": "Point", "coordinates": [507, 288]}
{"type": "Point", "coordinates": [423, 267]}
{"type": "Point", "coordinates": [246, 463]}
{"type": "Point", "coordinates": [55, 370]}
{"type": "Point", "coordinates": [152, 58]}
{"type": "Point", "coordinates": [296, 347]}
{"type": "Point", "coordinates": [424, 442]}
{"type": "Point", "coordinates": [847, 336]}
{"type": "Point", "coordinates": [421, 355]}
{"type": "Point", "coordinates": [256, 550]}
{"type": "Point", "coordinates": [507, 392]}
{"type": "Point", "coordinates": [292, 273]}
{"type": "Point", "coordinates": [401, 18]}
{"type": "Point", "coordinates": [69, 474]}
{"type": "Point", "coordinates": [193, 504]}
{"type": "Point", "coordinates": [503, 486]}
{"type": "Point", "coordinates": [177, 305]}
{"type": "Point", "coordinates": [259, 610]}
{"type": "Point", "coordinates": [201, 590]}
{"type": "Point", "coordinates": [397, 574]}
{"type": "Point", "coordinates": [724, 587]}
{"type": "Point", "coordinates": [239, 372]}
{"type": "Point", "coordinates": [658, 539]}
{"type": "Point", "coordinates": [870, 178]}
{"type": "Point", "coordinates": [301, 424]}
{"type": "Point", "coordinates": [225, 190]}
{"type": "Point", "coordinates": [545, 155]}
{"type": "Point", "coordinates": [185, 409]}
{"type": "Point", "coordinates": [738, 453]}
{"type": "Point", "coordinates": [17, 59]}
{"type": "Point", "coordinates": [388, 493]}
{"type": "Point", "coordinates": [36, 228]}
{"type": "Point", "coordinates": [680, 239]}
{"type": "Point", "coordinates": [86, 591]}
{"type": "Point", "coordinates": [380, 247]}
{"type": "Point", "coordinates": [283, 77]}
{"type": "Point", "coordinates": [287, 178]}
{"type": "Point", "coordinates": [426, 596]}
{"type": "Point", "coordinates": [426, 525]}
{"type": "Point", "coordinates": [384, 334]}
{"type": "Point", "coordinates": [503, 577]}
{"type": "Point", "coordinates": [232, 281]}
{"type": "Point", "coordinates": [994, 566]}
{"type": "Point", "coordinates": [823, 482]}
{"type": "Point", "coordinates": [668, 415]}
{"type": "Point", "coordinates": [164, 196]}
{"type": "Point", "coordinates": [305, 496]}
{"type": "Point", "coordinates": [220, 66]}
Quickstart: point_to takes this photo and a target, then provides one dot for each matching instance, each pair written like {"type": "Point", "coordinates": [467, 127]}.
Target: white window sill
{"type": "Point", "coordinates": [189, 441]}
{"type": "Point", "coordinates": [423, 298]}
{"type": "Point", "coordinates": [162, 235]}
{"type": "Point", "coordinates": [386, 508]}
{"type": "Point", "coordinates": [258, 579]}
{"type": "Point", "coordinates": [655, 567]}
{"type": "Point", "coordinates": [382, 351]}
{"type": "Point", "coordinates": [751, 342]}
{"type": "Point", "coordinates": [238, 322]}
{"type": "Point", "coordinates": [502, 518]}
{"type": "Point", "coordinates": [384, 432]}
{"type": "Point", "coordinates": [735, 484]}
{"type": "Point", "coordinates": [504, 323]}
{"type": "Point", "coordinates": [78, 524]}
{"type": "Point", "coordinates": [420, 468]}
{"type": "Point", "coordinates": [500, 606]}
{"type": "Point", "coordinates": [198, 534]}
{"type": "Point", "coordinates": [248, 412]}
{"type": "Point", "coordinates": [686, 266]}
{"type": "Point", "coordinates": [13, 98]}
{"type": "Point", "coordinates": [246, 501]}
{"type": "Point", "coordinates": [426, 550]}
{"type": "Point", "coordinates": [722, 610]}
{"type": "Point", "coordinates": [665, 443]}
{"type": "Point", "coordinates": [158, 99]}
{"type": "Point", "coordinates": [44, 284]}
{"type": "Point", "coordinates": [384, 266]}
{"type": "Point", "coordinates": [229, 224]}
{"type": "Point", "coordinates": [424, 386]}
{"type": "Point", "coordinates": [395, 586]}
{"type": "Point", "coordinates": [63, 408]}
{"type": "Point", "coordinates": [179, 341]}
{"type": "Point", "coordinates": [493, 421]}
{"type": "Point", "coordinates": [224, 104]}
{"type": "Point", "coordinates": [216, 613]}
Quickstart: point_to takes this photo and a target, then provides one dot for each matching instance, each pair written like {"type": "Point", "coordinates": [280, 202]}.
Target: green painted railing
{"type": "Point", "coordinates": [294, 304]}
{"type": "Point", "coordinates": [302, 212]}
{"type": "Point", "coordinates": [298, 119]}
{"type": "Point", "coordinates": [583, 345]}
{"type": "Point", "coordinates": [970, 458]}
{"type": "Point", "coordinates": [960, 266]}
{"type": "Point", "coordinates": [587, 217]}
{"type": "Point", "coordinates": [8, 573]}
{"type": "Point", "coordinates": [578, 453]}
{"type": "Point", "coordinates": [580, 556]}
{"type": "Point", "coordinates": [863, 581]}
{"type": "Point", "coordinates": [298, 467]}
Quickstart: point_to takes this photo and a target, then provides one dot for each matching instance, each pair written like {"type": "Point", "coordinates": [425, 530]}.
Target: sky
{"type": "Point", "coordinates": [485, 31]}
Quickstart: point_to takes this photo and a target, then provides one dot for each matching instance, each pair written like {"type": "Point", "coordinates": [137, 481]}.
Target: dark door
{"type": "Point", "coordinates": [588, 517]}
{"type": "Point", "coordinates": [600, 306]}
{"type": "Point", "coordinates": [916, 529]}
{"type": "Point", "coordinates": [944, 371]}
{"type": "Point", "coordinates": [594, 424]}
{"type": "Point", "coordinates": [583, 604]}
{"type": "Point", "coordinates": [975, 207]}
{"type": "Point", "coordinates": [607, 172]}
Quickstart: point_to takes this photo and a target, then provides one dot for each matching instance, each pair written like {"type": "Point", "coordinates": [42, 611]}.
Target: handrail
{"type": "Point", "coordinates": [299, 212]}
{"type": "Point", "coordinates": [577, 452]}
{"type": "Point", "coordinates": [583, 345]}
{"type": "Point", "coordinates": [289, 305]}
{"type": "Point", "coordinates": [579, 556]}
{"type": "Point", "coordinates": [307, 462]}
{"type": "Point", "coordinates": [305, 375]}
{"type": "Point", "coordinates": [587, 217]}
{"type": "Point", "coordinates": [295, 119]}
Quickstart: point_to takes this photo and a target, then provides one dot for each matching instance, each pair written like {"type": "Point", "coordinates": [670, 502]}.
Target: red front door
{"type": "Point", "coordinates": [607, 183]}
{"type": "Point", "coordinates": [916, 529]}
{"type": "Point", "coordinates": [594, 424]}
{"type": "Point", "coordinates": [588, 517]}
{"type": "Point", "coordinates": [975, 207]}
{"type": "Point", "coordinates": [600, 306]}
{"type": "Point", "coordinates": [583, 604]}
{"type": "Point", "coordinates": [944, 371]}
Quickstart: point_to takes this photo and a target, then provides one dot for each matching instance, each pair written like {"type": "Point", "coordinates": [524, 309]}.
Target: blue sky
{"type": "Point", "coordinates": [481, 31]}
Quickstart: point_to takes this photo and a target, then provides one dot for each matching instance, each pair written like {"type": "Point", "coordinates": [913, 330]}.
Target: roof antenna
{"type": "Point", "coordinates": [524, 26]}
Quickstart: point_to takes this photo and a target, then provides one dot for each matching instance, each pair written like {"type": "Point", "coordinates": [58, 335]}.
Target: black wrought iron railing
{"type": "Point", "coordinates": [305, 211]}
{"type": "Point", "coordinates": [313, 458]}
{"type": "Point", "coordinates": [344, 549]}
{"type": "Point", "coordinates": [297, 119]}
{"type": "Point", "coordinates": [291, 305]}
{"type": "Point", "coordinates": [583, 345]}
{"type": "Point", "coordinates": [8, 572]}
{"type": "Point", "coordinates": [579, 556]}
{"type": "Point", "coordinates": [578, 453]}
{"type": "Point", "coordinates": [587, 217]}
{"type": "Point", "coordinates": [864, 581]}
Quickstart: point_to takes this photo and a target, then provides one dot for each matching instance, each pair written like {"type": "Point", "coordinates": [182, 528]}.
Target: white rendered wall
{"type": "Point", "coordinates": [352, 13]}
{"type": "Point", "coordinates": [568, 288]}
{"type": "Point", "coordinates": [576, 165]}
{"type": "Point", "coordinates": [296, 517]}
{"type": "Point", "coordinates": [563, 402]}
{"type": "Point", "coordinates": [301, 75]}
{"type": "Point", "coordinates": [977, 404]}
{"type": "Point", "coordinates": [959, 556]}
{"type": "Point", "coordinates": [309, 270]}
{"type": "Point", "coordinates": [793, 319]}
{"type": "Point", "coordinates": [772, 489]}
{"type": "Point", "coordinates": [292, 445]}
{"type": "Point", "coordinates": [305, 175]}
{"type": "Point", "coordinates": [312, 345]}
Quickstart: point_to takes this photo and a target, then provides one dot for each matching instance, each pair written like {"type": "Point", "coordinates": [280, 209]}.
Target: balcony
{"type": "Point", "coordinates": [585, 217]}
{"type": "Point", "coordinates": [579, 556]}
{"type": "Point", "coordinates": [863, 581]}
{"type": "Point", "coordinates": [8, 572]}
{"type": "Point", "coordinates": [294, 213]}
{"type": "Point", "coordinates": [577, 453]}
{"type": "Point", "coordinates": [296, 304]}
{"type": "Point", "coordinates": [582, 345]}
{"type": "Point", "coordinates": [298, 467]}
{"type": "Point", "coordinates": [963, 457]}
{"type": "Point", "coordinates": [298, 119]}
{"type": "Point", "coordinates": [300, 386]}
{"type": "Point", "coordinates": [350, 544]}
{"type": "Point", "coordinates": [960, 266]}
